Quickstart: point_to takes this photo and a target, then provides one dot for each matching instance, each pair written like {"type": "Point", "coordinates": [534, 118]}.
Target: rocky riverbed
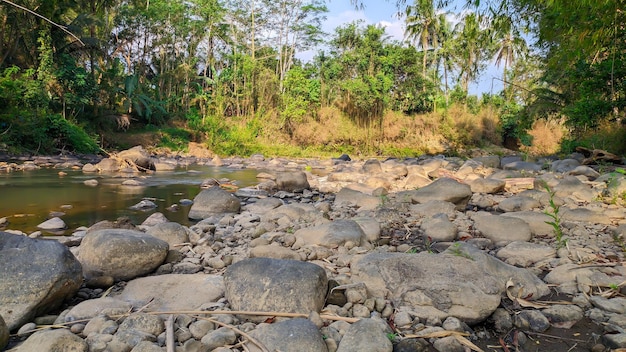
{"type": "Point", "coordinates": [426, 254]}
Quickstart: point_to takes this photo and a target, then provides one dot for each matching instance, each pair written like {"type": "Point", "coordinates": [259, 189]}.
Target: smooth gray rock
{"type": "Point", "coordinates": [213, 201]}
{"type": "Point", "coordinates": [585, 215]}
{"type": "Point", "coordinates": [263, 205]}
{"type": "Point", "coordinates": [525, 254]}
{"type": "Point", "coordinates": [55, 223]}
{"type": "Point", "coordinates": [535, 220]}
{"type": "Point", "coordinates": [445, 189]}
{"type": "Point", "coordinates": [359, 199]}
{"type": "Point", "coordinates": [120, 253]}
{"type": "Point", "coordinates": [176, 292]}
{"type": "Point", "coordinates": [218, 338]}
{"type": "Point", "coordinates": [293, 335]}
{"type": "Point", "coordinates": [333, 234]}
{"type": "Point", "coordinates": [372, 167]}
{"type": "Point", "coordinates": [275, 285]}
{"type": "Point", "coordinates": [171, 232]}
{"type": "Point", "coordinates": [52, 341]}
{"type": "Point", "coordinates": [439, 229]}
{"type": "Point", "coordinates": [572, 187]}
{"type": "Point", "coordinates": [432, 208]}
{"type": "Point", "coordinates": [615, 340]}
{"type": "Point", "coordinates": [615, 305]}
{"type": "Point", "coordinates": [563, 316]}
{"type": "Point", "coordinates": [139, 157]}
{"type": "Point", "coordinates": [432, 285]}
{"type": "Point", "coordinates": [36, 276]}
{"type": "Point", "coordinates": [518, 203]}
{"type": "Point", "coordinates": [94, 307]}
{"type": "Point", "coordinates": [366, 335]}
{"type": "Point", "coordinates": [273, 251]}
{"type": "Point", "coordinates": [531, 320]}
{"type": "Point", "coordinates": [487, 185]}
{"type": "Point", "coordinates": [564, 165]}
{"type": "Point", "coordinates": [292, 181]}
{"type": "Point", "coordinates": [146, 323]}
{"type": "Point", "coordinates": [523, 166]}
{"type": "Point", "coordinates": [500, 229]}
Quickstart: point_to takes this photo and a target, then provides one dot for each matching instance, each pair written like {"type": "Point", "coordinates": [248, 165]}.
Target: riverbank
{"type": "Point", "coordinates": [430, 253]}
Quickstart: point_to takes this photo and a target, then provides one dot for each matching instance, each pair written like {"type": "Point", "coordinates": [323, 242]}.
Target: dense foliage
{"type": "Point", "coordinates": [228, 71]}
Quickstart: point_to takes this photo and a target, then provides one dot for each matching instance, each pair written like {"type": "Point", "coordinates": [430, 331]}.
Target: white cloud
{"type": "Point", "coordinates": [395, 29]}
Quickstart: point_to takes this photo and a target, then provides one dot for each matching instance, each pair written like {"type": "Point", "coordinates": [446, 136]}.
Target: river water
{"type": "Point", "coordinates": [27, 198]}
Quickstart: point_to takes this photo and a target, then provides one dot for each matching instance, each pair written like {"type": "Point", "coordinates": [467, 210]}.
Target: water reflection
{"type": "Point", "coordinates": [27, 198]}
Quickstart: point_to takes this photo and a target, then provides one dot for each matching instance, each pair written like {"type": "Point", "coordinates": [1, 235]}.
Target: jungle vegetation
{"type": "Point", "coordinates": [77, 74]}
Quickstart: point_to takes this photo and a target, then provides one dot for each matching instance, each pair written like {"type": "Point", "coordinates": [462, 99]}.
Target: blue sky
{"type": "Point", "coordinates": [385, 13]}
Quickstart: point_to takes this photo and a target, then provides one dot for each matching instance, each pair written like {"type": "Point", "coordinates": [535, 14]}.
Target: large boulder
{"type": "Point", "coordinates": [462, 282]}
{"type": "Point", "coordinates": [139, 157]}
{"type": "Point", "coordinates": [292, 181]}
{"type": "Point", "coordinates": [171, 232]}
{"type": "Point", "coordinates": [121, 254]}
{"type": "Point", "coordinates": [275, 285]}
{"type": "Point", "coordinates": [445, 189]}
{"type": "Point", "coordinates": [36, 276]}
{"type": "Point", "coordinates": [213, 201]}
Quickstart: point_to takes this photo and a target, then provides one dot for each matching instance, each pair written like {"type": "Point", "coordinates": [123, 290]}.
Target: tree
{"type": "Point", "coordinates": [472, 48]}
{"type": "Point", "coordinates": [509, 45]}
{"type": "Point", "coordinates": [422, 27]}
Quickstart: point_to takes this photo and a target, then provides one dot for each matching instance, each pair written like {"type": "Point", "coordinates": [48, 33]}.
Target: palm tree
{"type": "Point", "coordinates": [471, 46]}
{"type": "Point", "coordinates": [422, 27]}
{"type": "Point", "coordinates": [509, 45]}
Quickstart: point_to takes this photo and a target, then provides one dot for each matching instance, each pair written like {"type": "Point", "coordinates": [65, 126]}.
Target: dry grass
{"type": "Point", "coordinates": [547, 136]}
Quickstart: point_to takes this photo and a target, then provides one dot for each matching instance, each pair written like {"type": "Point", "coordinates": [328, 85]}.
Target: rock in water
{"type": "Point", "coordinates": [213, 201]}
{"type": "Point", "coordinates": [35, 277]}
{"type": "Point", "coordinates": [121, 254]}
{"type": "Point", "coordinates": [52, 224]}
{"type": "Point", "coordinates": [292, 181]}
{"type": "Point", "coordinates": [275, 285]}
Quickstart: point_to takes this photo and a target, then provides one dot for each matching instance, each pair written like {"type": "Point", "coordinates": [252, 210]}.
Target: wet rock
{"type": "Point", "coordinates": [213, 201]}
{"type": "Point", "coordinates": [264, 284]}
{"type": "Point", "coordinates": [52, 224]}
{"type": "Point", "coordinates": [293, 335]}
{"type": "Point", "coordinates": [36, 276]}
{"type": "Point", "coordinates": [145, 204]}
{"type": "Point", "coordinates": [121, 254]}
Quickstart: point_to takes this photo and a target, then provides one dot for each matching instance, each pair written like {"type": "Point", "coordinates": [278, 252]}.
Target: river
{"type": "Point", "coordinates": [27, 198]}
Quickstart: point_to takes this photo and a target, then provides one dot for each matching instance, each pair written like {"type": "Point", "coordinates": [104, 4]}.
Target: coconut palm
{"type": "Point", "coordinates": [422, 27]}
{"type": "Point", "coordinates": [509, 45]}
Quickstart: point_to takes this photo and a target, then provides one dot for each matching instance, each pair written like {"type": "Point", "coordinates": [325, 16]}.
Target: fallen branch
{"type": "Point", "coordinates": [169, 334]}
{"type": "Point", "coordinates": [250, 338]}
